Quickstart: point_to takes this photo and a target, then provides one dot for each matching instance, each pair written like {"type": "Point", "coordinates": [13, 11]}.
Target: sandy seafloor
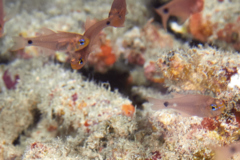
{"type": "Point", "coordinates": [57, 113]}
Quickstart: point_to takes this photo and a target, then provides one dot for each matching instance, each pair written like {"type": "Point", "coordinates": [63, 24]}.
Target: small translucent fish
{"type": "Point", "coordinates": [190, 105]}
{"type": "Point", "coordinates": [226, 152]}
{"type": "Point", "coordinates": [1, 18]}
{"type": "Point", "coordinates": [79, 59]}
{"type": "Point", "coordinates": [57, 41]}
{"type": "Point", "coordinates": [179, 8]}
{"type": "Point", "coordinates": [116, 19]}
{"type": "Point", "coordinates": [117, 13]}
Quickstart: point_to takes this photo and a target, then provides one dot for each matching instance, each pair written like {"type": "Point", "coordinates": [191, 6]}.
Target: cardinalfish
{"type": "Point", "coordinates": [116, 19]}
{"type": "Point", "coordinates": [117, 13]}
{"type": "Point", "coordinates": [190, 105]}
{"type": "Point", "coordinates": [226, 152]}
{"type": "Point", "coordinates": [179, 8]}
{"type": "Point", "coordinates": [1, 18]}
{"type": "Point", "coordinates": [57, 41]}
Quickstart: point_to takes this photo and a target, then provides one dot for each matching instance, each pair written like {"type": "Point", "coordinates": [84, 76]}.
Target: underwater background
{"type": "Point", "coordinates": [50, 110]}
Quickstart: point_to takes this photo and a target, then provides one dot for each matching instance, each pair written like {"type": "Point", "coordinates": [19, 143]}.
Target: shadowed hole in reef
{"type": "Point", "coordinates": [16, 141]}
{"type": "Point", "coordinates": [117, 77]}
{"type": "Point", "coordinates": [36, 118]}
{"type": "Point", "coordinates": [36, 113]}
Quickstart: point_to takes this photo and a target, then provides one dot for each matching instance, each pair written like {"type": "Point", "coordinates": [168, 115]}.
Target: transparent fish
{"type": "Point", "coordinates": [179, 8]}
{"type": "Point", "coordinates": [57, 41]}
{"type": "Point", "coordinates": [190, 105]}
{"type": "Point", "coordinates": [117, 13]}
{"type": "Point", "coordinates": [116, 19]}
{"type": "Point", "coordinates": [226, 152]}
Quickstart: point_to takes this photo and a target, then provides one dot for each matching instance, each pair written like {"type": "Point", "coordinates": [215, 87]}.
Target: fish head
{"type": "Point", "coordinates": [215, 107]}
{"type": "Point", "coordinates": [117, 17]}
{"type": "Point", "coordinates": [78, 61]}
{"type": "Point", "coordinates": [80, 43]}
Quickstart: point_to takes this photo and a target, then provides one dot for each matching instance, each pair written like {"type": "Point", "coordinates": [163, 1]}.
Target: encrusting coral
{"type": "Point", "coordinates": [64, 101]}
{"type": "Point", "coordinates": [207, 70]}
{"type": "Point", "coordinates": [50, 112]}
{"type": "Point", "coordinates": [94, 124]}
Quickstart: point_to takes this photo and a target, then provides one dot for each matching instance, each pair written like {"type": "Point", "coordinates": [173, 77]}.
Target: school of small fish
{"type": "Point", "coordinates": [76, 45]}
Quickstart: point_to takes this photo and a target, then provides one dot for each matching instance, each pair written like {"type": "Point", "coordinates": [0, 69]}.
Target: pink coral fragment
{"type": "Point", "coordinates": [155, 156]}
{"type": "Point", "coordinates": [8, 81]}
{"type": "Point", "coordinates": [74, 97]}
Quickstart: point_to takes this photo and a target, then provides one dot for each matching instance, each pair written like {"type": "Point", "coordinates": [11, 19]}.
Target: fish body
{"type": "Point", "coordinates": [79, 58]}
{"type": "Point", "coordinates": [116, 19]}
{"type": "Point", "coordinates": [190, 105]}
{"type": "Point", "coordinates": [179, 8]}
{"type": "Point", "coordinates": [117, 13]}
{"type": "Point", "coordinates": [226, 152]}
{"type": "Point", "coordinates": [57, 41]}
{"type": "Point", "coordinates": [1, 18]}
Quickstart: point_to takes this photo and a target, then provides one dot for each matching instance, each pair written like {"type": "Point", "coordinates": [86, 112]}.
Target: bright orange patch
{"type": "Point", "coordinates": [106, 55]}
{"type": "Point", "coordinates": [200, 28]}
{"type": "Point", "coordinates": [128, 109]}
{"type": "Point", "coordinates": [82, 105]}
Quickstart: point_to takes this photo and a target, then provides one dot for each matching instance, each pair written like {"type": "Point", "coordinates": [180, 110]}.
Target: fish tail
{"type": "Point", "coordinates": [19, 43]}
{"type": "Point", "coordinates": [157, 103]}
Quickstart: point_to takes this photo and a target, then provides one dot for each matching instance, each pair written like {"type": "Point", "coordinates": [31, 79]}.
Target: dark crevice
{"type": "Point", "coordinates": [117, 77]}
{"type": "Point", "coordinates": [16, 141]}
{"type": "Point", "coordinates": [36, 113]}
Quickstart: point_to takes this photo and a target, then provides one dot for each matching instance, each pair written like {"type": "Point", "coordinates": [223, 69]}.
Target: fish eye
{"type": "Point", "coordinates": [165, 10]}
{"type": "Point", "coordinates": [29, 41]}
{"type": "Point", "coordinates": [214, 107]}
{"type": "Point", "coordinates": [81, 61]}
{"type": "Point", "coordinates": [232, 149]}
{"type": "Point", "coordinates": [81, 41]}
{"type": "Point", "coordinates": [166, 104]}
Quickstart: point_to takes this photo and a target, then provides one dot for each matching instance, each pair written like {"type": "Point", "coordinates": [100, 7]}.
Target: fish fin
{"type": "Point", "coordinates": [126, 12]}
{"type": "Point", "coordinates": [163, 16]}
{"type": "Point", "coordinates": [121, 26]}
{"type": "Point", "coordinates": [19, 43]}
{"type": "Point", "coordinates": [177, 95]}
{"type": "Point", "coordinates": [89, 22]}
{"type": "Point", "coordinates": [183, 17]}
{"type": "Point", "coordinates": [64, 32]}
{"type": "Point", "coordinates": [46, 31]}
{"type": "Point", "coordinates": [184, 114]}
{"type": "Point", "coordinates": [13, 11]}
